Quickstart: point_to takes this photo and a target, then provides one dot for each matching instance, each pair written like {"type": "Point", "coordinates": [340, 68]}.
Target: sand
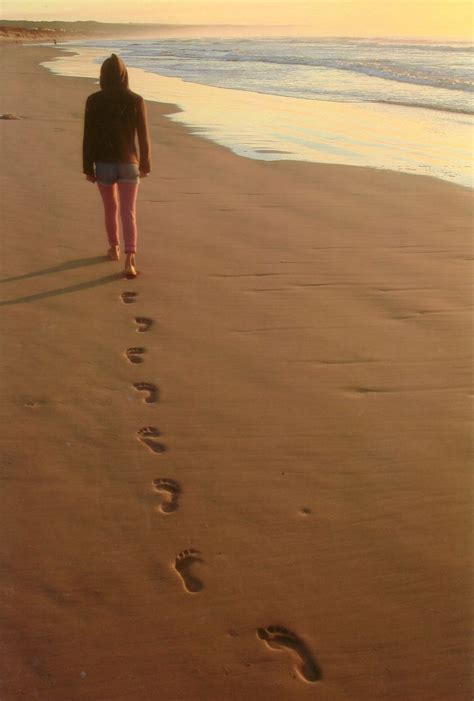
{"type": "Point", "coordinates": [309, 356]}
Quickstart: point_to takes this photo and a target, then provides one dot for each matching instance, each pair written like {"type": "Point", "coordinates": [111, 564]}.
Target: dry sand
{"type": "Point", "coordinates": [311, 351]}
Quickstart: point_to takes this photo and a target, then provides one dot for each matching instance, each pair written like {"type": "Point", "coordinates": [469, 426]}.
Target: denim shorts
{"type": "Point", "coordinates": [110, 173]}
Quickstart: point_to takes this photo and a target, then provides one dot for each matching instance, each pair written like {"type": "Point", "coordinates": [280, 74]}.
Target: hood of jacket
{"type": "Point", "coordinates": [113, 74]}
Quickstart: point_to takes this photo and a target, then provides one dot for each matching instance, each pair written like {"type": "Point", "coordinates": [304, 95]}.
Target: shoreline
{"type": "Point", "coordinates": [311, 352]}
{"type": "Point", "coordinates": [379, 135]}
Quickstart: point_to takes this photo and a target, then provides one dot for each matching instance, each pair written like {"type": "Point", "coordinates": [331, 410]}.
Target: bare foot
{"type": "Point", "coordinates": [130, 269]}
{"type": "Point", "coordinates": [114, 253]}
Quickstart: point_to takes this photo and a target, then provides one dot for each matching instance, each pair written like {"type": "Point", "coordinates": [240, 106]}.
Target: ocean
{"type": "Point", "coordinates": [385, 103]}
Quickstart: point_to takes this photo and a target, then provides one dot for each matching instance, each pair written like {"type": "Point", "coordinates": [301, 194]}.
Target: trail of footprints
{"type": "Point", "coordinates": [170, 491]}
{"type": "Point", "coordinates": [183, 566]}
{"type": "Point", "coordinates": [279, 638]}
{"type": "Point", "coordinates": [148, 436]}
{"type": "Point", "coordinates": [150, 389]}
{"type": "Point", "coordinates": [134, 355]}
{"type": "Point", "coordinates": [274, 637]}
{"type": "Point", "coordinates": [128, 297]}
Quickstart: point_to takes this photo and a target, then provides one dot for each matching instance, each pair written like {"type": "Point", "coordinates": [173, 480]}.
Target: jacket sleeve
{"type": "Point", "coordinates": [87, 155]}
{"type": "Point", "coordinates": [143, 137]}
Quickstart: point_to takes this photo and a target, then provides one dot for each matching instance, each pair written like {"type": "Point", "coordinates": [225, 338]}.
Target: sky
{"type": "Point", "coordinates": [410, 18]}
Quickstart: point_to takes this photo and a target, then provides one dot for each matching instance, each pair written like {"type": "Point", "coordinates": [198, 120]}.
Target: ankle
{"type": "Point", "coordinates": [114, 252]}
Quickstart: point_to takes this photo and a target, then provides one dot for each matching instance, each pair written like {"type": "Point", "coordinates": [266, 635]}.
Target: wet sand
{"type": "Point", "coordinates": [305, 460]}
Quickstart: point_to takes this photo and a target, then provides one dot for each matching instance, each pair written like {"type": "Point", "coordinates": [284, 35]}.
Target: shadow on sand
{"type": "Point", "coordinates": [64, 290]}
{"type": "Point", "coordinates": [68, 265]}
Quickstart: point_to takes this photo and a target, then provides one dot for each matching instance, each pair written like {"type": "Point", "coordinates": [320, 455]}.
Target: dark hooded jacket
{"type": "Point", "coordinates": [113, 117]}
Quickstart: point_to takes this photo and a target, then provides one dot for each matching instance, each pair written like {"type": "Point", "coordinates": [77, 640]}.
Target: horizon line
{"type": "Point", "coordinates": [467, 39]}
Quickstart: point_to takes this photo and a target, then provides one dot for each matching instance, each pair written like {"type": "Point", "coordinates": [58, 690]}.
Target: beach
{"type": "Point", "coordinates": [307, 352]}
{"type": "Point", "coordinates": [294, 100]}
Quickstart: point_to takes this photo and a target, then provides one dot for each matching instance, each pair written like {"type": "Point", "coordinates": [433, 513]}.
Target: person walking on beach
{"type": "Point", "coordinates": [113, 117]}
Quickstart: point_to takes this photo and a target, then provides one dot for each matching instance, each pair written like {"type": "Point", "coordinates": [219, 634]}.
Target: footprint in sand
{"type": "Point", "coordinates": [147, 387]}
{"type": "Point", "coordinates": [279, 638]}
{"type": "Point", "coordinates": [183, 563]}
{"type": "Point", "coordinates": [143, 323]}
{"type": "Point", "coordinates": [128, 297]}
{"type": "Point", "coordinates": [148, 436]}
{"type": "Point", "coordinates": [171, 490]}
{"type": "Point", "coordinates": [133, 355]}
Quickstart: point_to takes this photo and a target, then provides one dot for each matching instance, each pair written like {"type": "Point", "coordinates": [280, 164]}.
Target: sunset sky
{"type": "Point", "coordinates": [422, 18]}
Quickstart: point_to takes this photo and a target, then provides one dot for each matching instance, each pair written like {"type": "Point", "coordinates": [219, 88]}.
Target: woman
{"type": "Point", "coordinates": [113, 116]}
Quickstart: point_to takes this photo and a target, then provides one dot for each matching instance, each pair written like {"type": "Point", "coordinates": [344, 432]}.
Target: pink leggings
{"type": "Point", "coordinates": [127, 200]}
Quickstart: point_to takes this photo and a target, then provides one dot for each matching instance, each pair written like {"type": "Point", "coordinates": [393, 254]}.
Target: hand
{"type": "Point", "coordinates": [90, 178]}
{"type": "Point", "coordinates": [143, 174]}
